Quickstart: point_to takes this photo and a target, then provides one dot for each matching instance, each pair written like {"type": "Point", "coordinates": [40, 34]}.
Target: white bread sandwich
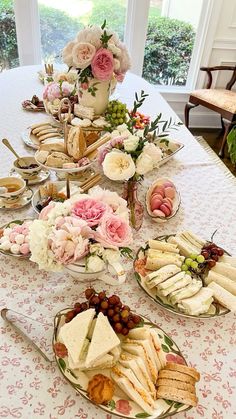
{"type": "Point", "coordinates": [174, 283]}
{"type": "Point", "coordinates": [186, 292]}
{"type": "Point", "coordinates": [128, 382]}
{"type": "Point", "coordinates": [157, 259]}
{"type": "Point", "coordinates": [157, 347]}
{"type": "Point", "coordinates": [198, 304]}
{"type": "Point", "coordinates": [193, 239]}
{"type": "Point", "coordinates": [144, 349]}
{"type": "Point", "coordinates": [224, 297]}
{"type": "Point", "coordinates": [221, 280]}
{"type": "Point", "coordinates": [231, 260]}
{"type": "Point", "coordinates": [225, 269]}
{"type": "Point", "coordinates": [74, 333]}
{"type": "Point", "coordinates": [137, 366]}
{"type": "Point", "coordinates": [163, 246]}
{"type": "Point", "coordinates": [156, 277]}
{"type": "Point", "coordinates": [187, 243]}
{"type": "Point", "coordinates": [104, 339]}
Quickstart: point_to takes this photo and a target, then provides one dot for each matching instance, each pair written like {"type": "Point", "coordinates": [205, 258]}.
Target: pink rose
{"type": "Point", "coordinates": [113, 232]}
{"type": "Point", "coordinates": [82, 54]}
{"type": "Point", "coordinates": [123, 406]}
{"type": "Point", "coordinates": [90, 210]}
{"type": "Point", "coordinates": [102, 64]}
{"type": "Point", "coordinates": [102, 152]}
{"type": "Point", "coordinates": [119, 76]}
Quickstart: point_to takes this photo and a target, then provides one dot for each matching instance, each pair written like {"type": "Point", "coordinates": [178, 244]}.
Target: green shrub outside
{"type": "Point", "coordinates": [168, 47]}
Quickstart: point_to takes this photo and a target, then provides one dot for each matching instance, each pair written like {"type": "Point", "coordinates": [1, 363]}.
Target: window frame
{"type": "Point", "coordinates": [29, 40]}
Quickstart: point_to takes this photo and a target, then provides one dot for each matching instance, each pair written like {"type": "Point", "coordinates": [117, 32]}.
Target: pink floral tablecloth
{"type": "Point", "coordinates": [30, 386]}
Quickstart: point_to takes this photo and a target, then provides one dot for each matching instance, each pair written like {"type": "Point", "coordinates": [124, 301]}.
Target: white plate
{"type": "Point", "coordinates": [60, 184]}
{"type": "Point", "coordinates": [22, 201]}
{"type": "Point", "coordinates": [170, 148]}
{"type": "Point", "coordinates": [31, 140]}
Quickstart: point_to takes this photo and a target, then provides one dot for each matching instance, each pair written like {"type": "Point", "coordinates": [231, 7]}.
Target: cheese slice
{"type": "Point", "coordinates": [73, 334]}
{"type": "Point", "coordinates": [104, 339]}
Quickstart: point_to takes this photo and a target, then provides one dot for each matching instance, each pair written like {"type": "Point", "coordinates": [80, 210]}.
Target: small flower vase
{"type": "Point", "coordinates": [94, 94]}
{"type": "Point", "coordinates": [130, 194]}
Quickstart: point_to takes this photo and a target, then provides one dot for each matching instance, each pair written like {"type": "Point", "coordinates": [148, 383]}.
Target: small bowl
{"type": "Point", "coordinates": [12, 181]}
{"type": "Point", "coordinates": [78, 271]}
{"type": "Point", "coordinates": [176, 201]}
{"type": "Point", "coordinates": [27, 173]}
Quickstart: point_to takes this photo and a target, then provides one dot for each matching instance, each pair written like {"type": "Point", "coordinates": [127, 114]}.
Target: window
{"type": "Point", "coordinates": [172, 26]}
{"type": "Point", "coordinates": [8, 41]}
{"type": "Point", "coordinates": [60, 21]}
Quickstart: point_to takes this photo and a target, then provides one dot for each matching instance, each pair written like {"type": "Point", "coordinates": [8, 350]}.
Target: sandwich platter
{"type": "Point", "coordinates": [107, 385]}
{"type": "Point", "coordinates": [187, 276]}
{"type": "Point", "coordinates": [169, 148]}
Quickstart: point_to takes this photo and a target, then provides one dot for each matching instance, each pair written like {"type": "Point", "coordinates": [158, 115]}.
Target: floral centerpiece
{"type": "Point", "coordinates": [132, 153]}
{"type": "Point", "coordinates": [100, 59]}
{"type": "Point", "coordinates": [90, 229]}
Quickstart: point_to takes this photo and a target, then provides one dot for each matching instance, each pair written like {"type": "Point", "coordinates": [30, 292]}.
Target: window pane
{"type": "Point", "coordinates": [60, 21]}
{"type": "Point", "coordinates": [172, 26]}
{"type": "Point", "coordinates": [8, 41]}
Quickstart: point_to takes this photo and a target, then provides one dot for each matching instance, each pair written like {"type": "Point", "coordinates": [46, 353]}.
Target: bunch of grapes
{"type": "Point", "coordinates": [120, 317]}
{"type": "Point", "coordinates": [116, 113]}
{"type": "Point", "coordinates": [193, 264]}
{"type": "Point", "coordinates": [211, 252]}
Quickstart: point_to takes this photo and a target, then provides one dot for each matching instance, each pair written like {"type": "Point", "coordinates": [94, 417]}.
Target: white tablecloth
{"type": "Point", "coordinates": [31, 386]}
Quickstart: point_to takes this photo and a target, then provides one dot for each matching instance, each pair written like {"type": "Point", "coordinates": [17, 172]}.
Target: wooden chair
{"type": "Point", "coordinates": [222, 101]}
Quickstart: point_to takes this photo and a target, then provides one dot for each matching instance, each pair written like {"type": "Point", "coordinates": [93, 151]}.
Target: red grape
{"type": "Point", "coordinates": [112, 300]}
{"type": "Point", "coordinates": [69, 316]}
{"type": "Point", "coordinates": [116, 309]}
{"type": "Point", "coordinates": [102, 295]}
{"type": "Point", "coordinates": [118, 327]}
{"type": "Point", "coordinates": [104, 304]}
{"type": "Point", "coordinates": [136, 319]}
{"type": "Point", "coordinates": [95, 300]}
{"type": "Point", "coordinates": [116, 318]}
{"type": "Point", "coordinates": [205, 254]}
{"type": "Point", "coordinates": [110, 312]}
{"type": "Point", "coordinates": [126, 308]}
{"type": "Point", "coordinates": [84, 306]}
{"type": "Point", "coordinates": [220, 252]}
{"type": "Point", "coordinates": [211, 263]}
{"type": "Point", "coordinates": [215, 257]}
{"type": "Point", "coordinates": [124, 314]}
{"type": "Point", "coordinates": [125, 331]}
{"type": "Point", "coordinates": [89, 292]}
{"type": "Point", "coordinates": [130, 324]}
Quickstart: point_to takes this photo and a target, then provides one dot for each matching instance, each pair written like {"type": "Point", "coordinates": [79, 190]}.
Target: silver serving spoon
{"type": "Point", "coordinates": [21, 162]}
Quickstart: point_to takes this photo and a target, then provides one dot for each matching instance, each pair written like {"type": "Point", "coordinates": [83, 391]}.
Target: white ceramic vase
{"type": "Point", "coordinates": [95, 94]}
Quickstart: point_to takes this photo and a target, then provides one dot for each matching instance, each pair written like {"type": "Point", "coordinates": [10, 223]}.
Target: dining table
{"type": "Point", "coordinates": [30, 384]}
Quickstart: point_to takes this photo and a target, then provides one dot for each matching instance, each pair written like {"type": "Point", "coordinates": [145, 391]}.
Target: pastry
{"type": "Point", "coordinates": [100, 389]}
{"type": "Point", "coordinates": [48, 135]}
{"type": "Point", "coordinates": [76, 144]}
{"type": "Point", "coordinates": [39, 124]}
{"type": "Point", "coordinates": [41, 156]}
{"type": "Point", "coordinates": [104, 139]}
{"type": "Point", "coordinates": [53, 144]}
{"type": "Point", "coordinates": [57, 159]}
{"type": "Point", "coordinates": [83, 111]}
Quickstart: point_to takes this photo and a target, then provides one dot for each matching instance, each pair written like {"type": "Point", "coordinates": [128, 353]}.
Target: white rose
{"type": "Point", "coordinates": [131, 143]}
{"type": "Point", "coordinates": [94, 264]}
{"type": "Point", "coordinates": [97, 249]}
{"type": "Point", "coordinates": [82, 54]}
{"type": "Point", "coordinates": [111, 256]}
{"type": "Point", "coordinates": [154, 152]}
{"type": "Point", "coordinates": [90, 34]}
{"type": "Point", "coordinates": [118, 165]}
{"type": "Point", "coordinates": [122, 127]}
{"type": "Point", "coordinates": [144, 164]}
{"type": "Point", "coordinates": [67, 53]}
{"type": "Point", "coordinates": [114, 49]}
{"type": "Point", "coordinates": [115, 133]}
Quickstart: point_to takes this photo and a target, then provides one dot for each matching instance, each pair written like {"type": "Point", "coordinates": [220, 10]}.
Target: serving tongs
{"type": "Point", "coordinates": [18, 321]}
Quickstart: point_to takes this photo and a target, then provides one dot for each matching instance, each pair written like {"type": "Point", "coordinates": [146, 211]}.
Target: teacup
{"type": "Point", "coordinates": [27, 172]}
{"type": "Point", "coordinates": [15, 188]}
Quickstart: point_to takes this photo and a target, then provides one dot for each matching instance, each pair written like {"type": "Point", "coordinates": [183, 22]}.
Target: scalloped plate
{"type": "Point", "coordinates": [7, 253]}
{"type": "Point", "coordinates": [79, 380]}
{"type": "Point", "coordinates": [215, 311]}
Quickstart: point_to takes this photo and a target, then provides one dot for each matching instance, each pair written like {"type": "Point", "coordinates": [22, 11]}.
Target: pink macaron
{"type": "Point", "coordinates": [165, 209]}
{"type": "Point", "coordinates": [170, 192]}
{"type": "Point", "coordinates": [159, 190]}
{"type": "Point", "coordinates": [159, 213]}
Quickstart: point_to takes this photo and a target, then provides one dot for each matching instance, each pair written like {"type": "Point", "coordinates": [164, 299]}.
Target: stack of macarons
{"type": "Point", "coordinates": [15, 238]}
{"type": "Point", "coordinates": [161, 199]}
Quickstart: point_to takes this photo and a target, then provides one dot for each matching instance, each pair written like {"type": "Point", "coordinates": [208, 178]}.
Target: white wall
{"type": "Point", "coordinates": [220, 49]}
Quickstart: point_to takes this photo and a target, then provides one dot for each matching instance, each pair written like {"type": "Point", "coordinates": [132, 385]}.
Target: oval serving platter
{"type": "Point", "coordinates": [217, 309]}
{"type": "Point", "coordinates": [169, 148]}
{"type": "Point", "coordinates": [79, 380]}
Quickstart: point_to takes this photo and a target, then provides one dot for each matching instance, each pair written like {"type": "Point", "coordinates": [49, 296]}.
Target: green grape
{"type": "Point", "coordinates": [188, 272]}
{"type": "Point", "coordinates": [116, 121]}
{"type": "Point", "coordinates": [200, 259]}
{"type": "Point", "coordinates": [118, 115]}
{"type": "Point", "coordinates": [184, 267]}
{"type": "Point", "coordinates": [113, 115]}
{"type": "Point", "coordinates": [120, 106]}
{"type": "Point", "coordinates": [188, 261]}
{"type": "Point", "coordinates": [193, 256]}
{"type": "Point", "coordinates": [121, 121]}
{"type": "Point", "coordinates": [115, 108]}
{"type": "Point", "coordinates": [194, 264]}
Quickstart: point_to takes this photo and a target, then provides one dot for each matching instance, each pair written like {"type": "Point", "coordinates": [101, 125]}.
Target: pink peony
{"type": "Point", "coordinates": [46, 210]}
{"type": "Point", "coordinates": [123, 406]}
{"type": "Point", "coordinates": [67, 88]}
{"type": "Point", "coordinates": [119, 76]}
{"type": "Point", "coordinates": [52, 91]}
{"type": "Point", "coordinates": [90, 210]}
{"type": "Point", "coordinates": [113, 232]}
{"type": "Point", "coordinates": [102, 64]}
{"type": "Point", "coordinates": [102, 152]}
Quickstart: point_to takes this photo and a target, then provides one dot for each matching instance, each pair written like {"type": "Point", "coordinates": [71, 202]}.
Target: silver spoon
{"type": "Point", "coordinates": [21, 162]}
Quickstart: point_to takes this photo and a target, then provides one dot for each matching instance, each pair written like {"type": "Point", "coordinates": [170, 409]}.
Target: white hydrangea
{"type": "Point", "coordinates": [131, 143]}
{"type": "Point", "coordinates": [60, 209]}
{"type": "Point", "coordinates": [94, 264]}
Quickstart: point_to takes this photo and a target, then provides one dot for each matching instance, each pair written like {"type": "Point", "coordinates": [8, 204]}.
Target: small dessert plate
{"type": "Point", "coordinates": [41, 177]}
{"type": "Point", "coordinates": [24, 200]}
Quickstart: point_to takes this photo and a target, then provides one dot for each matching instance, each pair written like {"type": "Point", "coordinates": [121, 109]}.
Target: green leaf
{"type": "Point", "coordinates": [62, 364]}
{"type": "Point", "coordinates": [177, 405]}
{"type": "Point", "coordinates": [111, 404]}
{"type": "Point", "coordinates": [168, 341]}
{"type": "Point", "coordinates": [142, 415]}
{"type": "Point", "coordinates": [165, 348]}
{"type": "Point", "coordinates": [137, 276]}
{"type": "Point", "coordinates": [72, 373]}
{"type": "Point", "coordinates": [104, 24]}
{"type": "Point", "coordinates": [169, 402]}
{"type": "Point", "coordinates": [126, 251]}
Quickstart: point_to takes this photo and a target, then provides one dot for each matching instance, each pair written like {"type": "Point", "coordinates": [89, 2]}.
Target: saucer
{"type": "Point", "coordinates": [80, 177]}
{"type": "Point", "coordinates": [24, 200]}
{"type": "Point", "coordinates": [41, 177]}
